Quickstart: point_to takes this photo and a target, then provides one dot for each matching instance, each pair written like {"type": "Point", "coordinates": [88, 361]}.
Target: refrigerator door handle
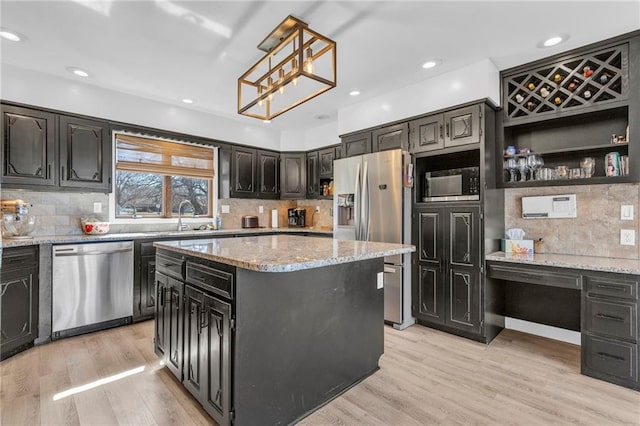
{"type": "Point", "coordinates": [357, 203]}
{"type": "Point", "coordinates": [364, 235]}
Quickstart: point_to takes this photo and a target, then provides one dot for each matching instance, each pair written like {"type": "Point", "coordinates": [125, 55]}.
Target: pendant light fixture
{"type": "Point", "coordinates": [304, 66]}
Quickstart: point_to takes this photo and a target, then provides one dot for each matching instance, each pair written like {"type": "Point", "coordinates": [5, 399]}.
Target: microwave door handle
{"type": "Point", "coordinates": [356, 203]}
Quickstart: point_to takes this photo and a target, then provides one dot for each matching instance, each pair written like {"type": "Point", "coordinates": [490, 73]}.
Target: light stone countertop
{"type": "Point", "coordinates": [591, 263]}
{"type": "Point", "coordinates": [82, 238]}
{"type": "Point", "coordinates": [283, 253]}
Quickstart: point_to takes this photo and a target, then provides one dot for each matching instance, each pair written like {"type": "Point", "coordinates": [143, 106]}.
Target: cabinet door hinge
{"type": "Point", "coordinates": [480, 131]}
{"type": "Point", "coordinates": [481, 324]}
{"type": "Point", "coordinates": [232, 324]}
{"type": "Point", "coordinates": [232, 416]}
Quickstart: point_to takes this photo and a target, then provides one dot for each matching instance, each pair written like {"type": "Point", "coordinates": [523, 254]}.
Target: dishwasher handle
{"type": "Point", "coordinates": [75, 252]}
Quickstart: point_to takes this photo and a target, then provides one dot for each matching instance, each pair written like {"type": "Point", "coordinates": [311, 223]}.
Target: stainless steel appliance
{"type": "Point", "coordinates": [371, 203]}
{"type": "Point", "coordinates": [297, 218]}
{"type": "Point", "coordinates": [452, 184]}
{"type": "Point", "coordinates": [250, 221]}
{"type": "Point", "coordinates": [92, 286]}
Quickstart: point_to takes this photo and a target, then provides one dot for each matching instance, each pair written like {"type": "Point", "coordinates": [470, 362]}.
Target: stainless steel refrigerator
{"type": "Point", "coordinates": [371, 203]}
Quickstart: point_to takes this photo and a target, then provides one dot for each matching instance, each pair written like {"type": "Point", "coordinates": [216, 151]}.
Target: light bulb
{"type": "Point", "coordinates": [259, 95]}
{"type": "Point", "coordinates": [308, 63]}
{"type": "Point", "coordinates": [294, 70]}
{"type": "Point", "coordinates": [269, 87]}
{"type": "Point", "coordinates": [281, 81]}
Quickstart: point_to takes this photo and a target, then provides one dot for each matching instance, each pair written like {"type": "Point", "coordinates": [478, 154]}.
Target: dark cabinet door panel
{"type": "Point", "coordinates": [193, 351]}
{"type": "Point", "coordinates": [462, 126]}
{"type": "Point", "coordinates": [18, 309]}
{"type": "Point", "coordinates": [243, 171]}
{"type": "Point", "coordinates": [147, 287]}
{"type": "Point", "coordinates": [217, 329]}
{"type": "Point", "coordinates": [427, 134]}
{"type": "Point", "coordinates": [84, 153]}
{"type": "Point", "coordinates": [313, 178]}
{"type": "Point", "coordinates": [391, 137]}
{"type": "Point", "coordinates": [464, 238]}
{"type": "Point", "coordinates": [268, 174]}
{"type": "Point", "coordinates": [430, 294]}
{"type": "Point", "coordinates": [429, 230]}
{"type": "Point", "coordinates": [174, 338]}
{"type": "Point", "coordinates": [28, 138]}
{"type": "Point", "coordinates": [357, 144]}
{"type": "Point", "coordinates": [326, 162]}
{"type": "Point", "coordinates": [292, 175]}
{"type": "Point", "coordinates": [463, 294]}
{"type": "Point", "coordinates": [161, 316]}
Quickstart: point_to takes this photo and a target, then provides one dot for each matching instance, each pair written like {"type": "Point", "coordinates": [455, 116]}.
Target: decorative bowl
{"type": "Point", "coordinates": [94, 226]}
{"type": "Point", "coordinates": [18, 226]}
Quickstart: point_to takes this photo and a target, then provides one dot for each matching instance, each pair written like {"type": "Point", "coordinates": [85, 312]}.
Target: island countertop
{"type": "Point", "coordinates": [283, 253]}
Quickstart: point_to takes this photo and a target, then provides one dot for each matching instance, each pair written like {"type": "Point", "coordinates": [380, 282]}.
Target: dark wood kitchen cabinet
{"type": "Point", "coordinates": [144, 291]}
{"type": "Point", "coordinates": [268, 174]}
{"type": "Point", "coordinates": [326, 157]}
{"type": "Point", "coordinates": [19, 292]}
{"type": "Point", "coordinates": [313, 176]}
{"type": "Point", "coordinates": [356, 144]}
{"type": "Point", "coordinates": [390, 137]}
{"type": "Point", "coordinates": [457, 127]}
{"type": "Point", "coordinates": [243, 172]}
{"type": "Point", "coordinates": [169, 324]}
{"type": "Point", "coordinates": [293, 175]}
{"type": "Point", "coordinates": [28, 147]}
{"type": "Point", "coordinates": [448, 273]}
{"type": "Point", "coordinates": [610, 326]}
{"type": "Point", "coordinates": [85, 154]}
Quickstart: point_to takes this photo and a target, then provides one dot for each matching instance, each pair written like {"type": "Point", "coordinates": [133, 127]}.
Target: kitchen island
{"type": "Point", "coordinates": [266, 329]}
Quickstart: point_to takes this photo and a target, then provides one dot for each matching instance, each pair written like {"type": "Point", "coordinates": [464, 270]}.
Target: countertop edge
{"type": "Point", "coordinates": [587, 263]}
{"type": "Point", "coordinates": [83, 238]}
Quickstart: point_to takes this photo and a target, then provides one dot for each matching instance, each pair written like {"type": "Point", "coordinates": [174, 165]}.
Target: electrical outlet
{"type": "Point", "coordinates": [260, 209]}
{"type": "Point", "coordinates": [97, 207]}
{"type": "Point", "coordinates": [627, 237]}
{"type": "Point", "coordinates": [318, 209]}
{"type": "Point", "coordinates": [626, 212]}
{"type": "Point", "coordinates": [380, 280]}
{"type": "Point", "coordinates": [225, 208]}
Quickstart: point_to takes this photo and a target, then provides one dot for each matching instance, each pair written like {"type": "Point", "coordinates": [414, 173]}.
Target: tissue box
{"type": "Point", "coordinates": [518, 247]}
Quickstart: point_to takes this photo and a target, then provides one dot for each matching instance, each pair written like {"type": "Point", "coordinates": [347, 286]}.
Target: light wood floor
{"type": "Point", "coordinates": [426, 378]}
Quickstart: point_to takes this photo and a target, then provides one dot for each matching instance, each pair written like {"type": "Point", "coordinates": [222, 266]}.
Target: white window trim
{"type": "Point", "coordinates": [157, 220]}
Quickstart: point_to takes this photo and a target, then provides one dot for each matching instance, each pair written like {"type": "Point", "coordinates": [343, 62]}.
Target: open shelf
{"type": "Point", "coordinates": [576, 150]}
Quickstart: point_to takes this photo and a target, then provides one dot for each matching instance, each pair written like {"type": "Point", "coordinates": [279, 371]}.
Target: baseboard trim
{"type": "Point", "coordinates": [548, 331]}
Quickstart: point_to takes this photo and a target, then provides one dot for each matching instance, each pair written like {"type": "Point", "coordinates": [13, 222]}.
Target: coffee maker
{"type": "Point", "coordinates": [296, 217]}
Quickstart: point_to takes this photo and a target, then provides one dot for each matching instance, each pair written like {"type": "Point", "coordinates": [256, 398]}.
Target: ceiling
{"type": "Point", "coordinates": [169, 50]}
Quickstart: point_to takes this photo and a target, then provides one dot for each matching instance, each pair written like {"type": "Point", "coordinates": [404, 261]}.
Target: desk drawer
{"type": "Point", "coordinates": [615, 319]}
{"type": "Point", "coordinates": [534, 276]}
{"type": "Point", "coordinates": [614, 286]}
{"type": "Point", "coordinates": [210, 279]}
{"type": "Point", "coordinates": [609, 357]}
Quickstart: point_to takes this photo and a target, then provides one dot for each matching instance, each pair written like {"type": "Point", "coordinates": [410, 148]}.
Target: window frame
{"type": "Point", "coordinates": [171, 217]}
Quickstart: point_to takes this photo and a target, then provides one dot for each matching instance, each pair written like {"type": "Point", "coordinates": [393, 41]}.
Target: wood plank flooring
{"type": "Point", "coordinates": [426, 377]}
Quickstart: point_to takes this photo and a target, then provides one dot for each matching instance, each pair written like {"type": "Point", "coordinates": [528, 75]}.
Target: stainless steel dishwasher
{"type": "Point", "coordinates": [92, 287]}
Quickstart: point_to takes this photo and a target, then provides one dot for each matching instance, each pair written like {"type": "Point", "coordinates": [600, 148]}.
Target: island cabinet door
{"type": "Point", "coordinates": [216, 397]}
{"type": "Point", "coordinates": [193, 353]}
{"type": "Point", "coordinates": [174, 327]}
{"type": "Point", "coordinates": [161, 315]}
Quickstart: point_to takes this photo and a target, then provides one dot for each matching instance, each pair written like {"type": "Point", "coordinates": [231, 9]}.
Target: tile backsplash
{"type": "Point", "coordinates": [596, 230]}
{"type": "Point", "coordinates": [59, 213]}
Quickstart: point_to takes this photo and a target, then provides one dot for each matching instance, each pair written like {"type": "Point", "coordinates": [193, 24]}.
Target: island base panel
{"type": "Point", "coordinates": [303, 338]}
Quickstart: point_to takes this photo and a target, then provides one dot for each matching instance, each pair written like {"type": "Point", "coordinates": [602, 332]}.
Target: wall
{"type": "Point", "coordinates": [33, 88]}
{"type": "Point", "coordinates": [59, 213]}
{"type": "Point", "coordinates": [596, 230]}
{"type": "Point", "coordinates": [475, 81]}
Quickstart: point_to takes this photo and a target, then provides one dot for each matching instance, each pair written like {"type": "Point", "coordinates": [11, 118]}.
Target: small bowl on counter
{"type": "Point", "coordinates": [94, 226]}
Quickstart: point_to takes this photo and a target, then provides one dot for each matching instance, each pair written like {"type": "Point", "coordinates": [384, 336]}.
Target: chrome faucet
{"type": "Point", "coordinates": [182, 227]}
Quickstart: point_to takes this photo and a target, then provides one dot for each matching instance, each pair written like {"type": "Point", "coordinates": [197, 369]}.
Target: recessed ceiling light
{"type": "Point", "coordinates": [552, 41]}
{"type": "Point", "coordinates": [77, 71]}
{"type": "Point", "coordinates": [187, 101]}
{"type": "Point", "coordinates": [9, 35]}
{"type": "Point", "coordinates": [430, 64]}
{"type": "Point", "coordinates": [354, 93]}
{"type": "Point", "coordinates": [266, 121]}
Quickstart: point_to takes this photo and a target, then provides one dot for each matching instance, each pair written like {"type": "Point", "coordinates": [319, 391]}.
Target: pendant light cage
{"type": "Point", "coordinates": [299, 65]}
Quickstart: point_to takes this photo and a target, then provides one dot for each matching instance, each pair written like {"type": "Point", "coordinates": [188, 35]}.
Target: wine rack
{"type": "Point", "coordinates": [575, 83]}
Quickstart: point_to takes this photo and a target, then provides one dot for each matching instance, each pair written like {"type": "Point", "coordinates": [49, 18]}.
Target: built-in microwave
{"type": "Point", "coordinates": [452, 185]}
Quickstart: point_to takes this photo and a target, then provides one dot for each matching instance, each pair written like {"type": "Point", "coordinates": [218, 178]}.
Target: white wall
{"type": "Point", "coordinates": [34, 88]}
{"type": "Point", "coordinates": [476, 81]}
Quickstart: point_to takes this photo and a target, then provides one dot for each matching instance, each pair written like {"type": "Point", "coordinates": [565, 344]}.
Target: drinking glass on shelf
{"type": "Point", "coordinates": [523, 167]}
{"type": "Point", "coordinates": [534, 162]}
{"type": "Point", "coordinates": [512, 166]}
{"type": "Point", "coordinates": [588, 166]}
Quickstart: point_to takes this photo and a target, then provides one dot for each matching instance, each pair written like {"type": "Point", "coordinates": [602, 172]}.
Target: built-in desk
{"type": "Point", "coordinates": [596, 296]}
